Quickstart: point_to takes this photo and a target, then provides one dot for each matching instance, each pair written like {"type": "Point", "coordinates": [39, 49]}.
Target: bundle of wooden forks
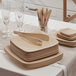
{"type": "Point", "coordinates": [43, 17]}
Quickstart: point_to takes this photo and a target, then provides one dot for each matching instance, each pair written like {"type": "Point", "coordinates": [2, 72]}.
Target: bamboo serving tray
{"type": "Point", "coordinates": [28, 52]}
{"type": "Point", "coordinates": [35, 64]}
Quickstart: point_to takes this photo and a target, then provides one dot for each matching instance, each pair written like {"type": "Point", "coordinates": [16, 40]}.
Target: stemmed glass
{"type": "Point", "coordinates": [19, 14]}
{"type": "Point", "coordinates": [6, 18]}
{"type": "Point", "coordinates": [19, 19]}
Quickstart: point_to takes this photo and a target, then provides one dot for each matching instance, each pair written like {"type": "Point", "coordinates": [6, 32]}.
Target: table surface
{"type": "Point", "coordinates": [50, 70]}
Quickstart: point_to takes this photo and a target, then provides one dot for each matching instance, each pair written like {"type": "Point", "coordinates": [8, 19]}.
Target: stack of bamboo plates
{"type": "Point", "coordinates": [31, 56]}
{"type": "Point", "coordinates": [67, 37]}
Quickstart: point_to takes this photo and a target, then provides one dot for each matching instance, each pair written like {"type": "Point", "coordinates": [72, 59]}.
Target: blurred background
{"type": "Point", "coordinates": [56, 5]}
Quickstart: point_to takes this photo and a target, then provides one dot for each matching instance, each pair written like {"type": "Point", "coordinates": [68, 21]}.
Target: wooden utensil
{"type": "Point", "coordinates": [31, 39]}
{"type": "Point", "coordinates": [47, 16]}
{"type": "Point", "coordinates": [42, 12]}
{"type": "Point", "coordinates": [39, 18]}
{"type": "Point", "coordinates": [34, 35]}
{"type": "Point", "coordinates": [43, 17]}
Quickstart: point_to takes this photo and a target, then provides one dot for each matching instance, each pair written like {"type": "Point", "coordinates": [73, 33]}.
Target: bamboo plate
{"type": "Point", "coordinates": [29, 52]}
{"type": "Point", "coordinates": [66, 43]}
{"type": "Point", "coordinates": [34, 64]}
{"type": "Point", "coordinates": [66, 37]}
{"type": "Point", "coordinates": [68, 32]}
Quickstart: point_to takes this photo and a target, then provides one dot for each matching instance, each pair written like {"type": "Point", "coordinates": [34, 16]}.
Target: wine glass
{"type": "Point", "coordinates": [5, 16]}
{"type": "Point", "coordinates": [6, 19]}
{"type": "Point", "coordinates": [19, 14]}
{"type": "Point", "coordinates": [19, 19]}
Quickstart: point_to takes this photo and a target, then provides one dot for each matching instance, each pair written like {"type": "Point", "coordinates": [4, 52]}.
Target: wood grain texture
{"type": "Point", "coordinates": [67, 37]}
{"type": "Point", "coordinates": [35, 64]}
{"type": "Point", "coordinates": [68, 32]}
{"type": "Point", "coordinates": [40, 36]}
{"type": "Point", "coordinates": [67, 43]}
{"type": "Point", "coordinates": [30, 52]}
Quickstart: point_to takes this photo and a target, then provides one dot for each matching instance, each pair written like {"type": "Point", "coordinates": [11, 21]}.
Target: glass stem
{"type": "Point", "coordinates": [7, 30]}
{"type": "Point", "coordinates": [20, 27]}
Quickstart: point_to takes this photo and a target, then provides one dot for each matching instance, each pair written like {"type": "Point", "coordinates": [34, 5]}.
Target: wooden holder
{"type": "Point", "coordinates": [65, 12]}
{"type": "Point", "coordinates": [43, 17]}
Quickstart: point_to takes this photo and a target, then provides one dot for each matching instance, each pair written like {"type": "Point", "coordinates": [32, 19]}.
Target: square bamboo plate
{"type": "Point", "coordinates": [66, 43]}
{"type": "Point", "coordinates": [66, 37]}
{"type": "Point", "coordinates": [68, 32]}
{"type": "Point", "coordinates": [29, 52]}
{"type": "Point", "coordinates": [35, 64]}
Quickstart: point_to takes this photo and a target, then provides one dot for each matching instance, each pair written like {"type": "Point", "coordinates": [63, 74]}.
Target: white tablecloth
{"type": "Point", "coordinates": [66, 65]}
